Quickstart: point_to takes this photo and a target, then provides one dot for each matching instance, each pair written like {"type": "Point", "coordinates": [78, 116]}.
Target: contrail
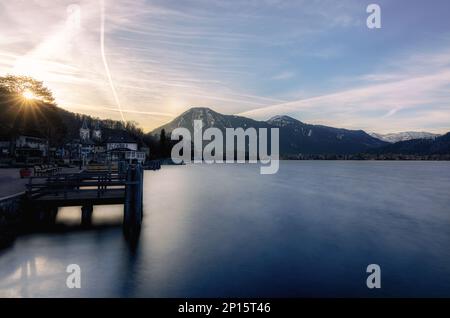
{"type": "Point", "coordinates": [105, 63]}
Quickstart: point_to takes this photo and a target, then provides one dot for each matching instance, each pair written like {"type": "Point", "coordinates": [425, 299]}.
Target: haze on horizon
{"type": "Point", "coordinates": [312, 60]}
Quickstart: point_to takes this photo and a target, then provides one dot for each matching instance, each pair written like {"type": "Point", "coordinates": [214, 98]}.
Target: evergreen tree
{"type": "Point", "coordinates": [163, 144]}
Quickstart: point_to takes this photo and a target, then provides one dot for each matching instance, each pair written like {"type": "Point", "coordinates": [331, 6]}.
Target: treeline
{"type": "Point", "coordinates": [46, 120]}
{"type": "Point", "coordinates": [368, 156]}
{"type": "Point", "coordinates": [160, 144]}
{"type": "Point", "coordinates": [39, 119]}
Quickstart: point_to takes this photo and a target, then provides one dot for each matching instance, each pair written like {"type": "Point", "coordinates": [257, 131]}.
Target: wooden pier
{"type": "Point", "coordinates": [87, 189]}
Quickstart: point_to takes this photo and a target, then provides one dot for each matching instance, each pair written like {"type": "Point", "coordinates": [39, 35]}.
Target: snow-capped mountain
{"type": "Point", "coordinates": [404, 136]}
{"type": "Point", "coordinates": [417, 147]}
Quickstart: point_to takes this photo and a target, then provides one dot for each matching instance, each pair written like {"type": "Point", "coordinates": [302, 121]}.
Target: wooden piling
{"type": "Point", "coordinates": [133, 201]}
{"type": "Point", "coordinates": [86, 215]}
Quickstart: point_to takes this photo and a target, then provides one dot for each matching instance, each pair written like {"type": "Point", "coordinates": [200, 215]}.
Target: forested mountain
{"type": "Point", "coordinates": [295, 137]}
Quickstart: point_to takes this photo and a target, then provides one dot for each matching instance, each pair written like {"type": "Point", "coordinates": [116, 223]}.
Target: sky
{"type": "Point", "coordinates": [314, 60]}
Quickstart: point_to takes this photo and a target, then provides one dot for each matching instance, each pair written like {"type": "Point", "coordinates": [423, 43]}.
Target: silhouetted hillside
{"type": "Point", "coordinates": [45, 120]}
{"type": "Point", "coordinates": [37, 119]}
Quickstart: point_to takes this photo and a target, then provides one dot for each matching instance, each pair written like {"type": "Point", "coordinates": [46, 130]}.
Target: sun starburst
{"type": "Point", "coordinates": [28, 95]}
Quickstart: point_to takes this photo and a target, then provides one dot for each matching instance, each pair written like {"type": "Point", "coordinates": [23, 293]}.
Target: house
{"type": "Point", "coordinates": [120, 146]}
{"type": "Point", "coordinates": [28, 149]}
{"type": "Point", "coordinates": [5, 148]}
{"type": "Point", "coordinates": [71, 151]}
{"type": "Point", "coordinates": [87, 150]}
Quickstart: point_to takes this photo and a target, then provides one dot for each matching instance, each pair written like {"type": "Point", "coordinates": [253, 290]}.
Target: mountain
{"type": "Point", "coordinates": [296, 137]}
{"type": "Point", "coordinates": [421, 147]}
{"type": "Point", "coordinates": [210, 118]}
{"type": "Point", "coordinates": [404, 136]}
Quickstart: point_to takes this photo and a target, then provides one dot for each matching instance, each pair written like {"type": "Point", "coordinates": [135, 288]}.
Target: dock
{"type": "Point", "coordinates": [45, 195]}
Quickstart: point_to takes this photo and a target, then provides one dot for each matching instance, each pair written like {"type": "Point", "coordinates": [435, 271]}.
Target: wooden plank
{"type": "Point", "coordinates": [82, 197]}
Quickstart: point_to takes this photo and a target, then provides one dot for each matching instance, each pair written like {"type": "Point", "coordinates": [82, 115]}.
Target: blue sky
{"type": "Point", "coordinates": [315, 60]}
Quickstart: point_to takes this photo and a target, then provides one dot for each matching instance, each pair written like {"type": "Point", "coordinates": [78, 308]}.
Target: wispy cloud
{"type": "Point", "coordinates": [285, 75]}
{"type": "Point", "coordinates": [389, 101]}
{"type": "Point", "coordinates": [237, 56]}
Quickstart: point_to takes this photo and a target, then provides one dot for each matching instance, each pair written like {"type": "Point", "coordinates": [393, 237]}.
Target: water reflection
{"type": "Point", "coordinates": [35, 266]}
{"type": "Point", "coordinates": [209, 231]}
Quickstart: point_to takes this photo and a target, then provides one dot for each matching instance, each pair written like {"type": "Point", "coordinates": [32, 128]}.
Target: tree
{"type": "Point", "coordinates": [18, 85]}
{"type": "Point", "coordinates": [39, 117]}
{"type": "Point", "coordinates": [163, 143]}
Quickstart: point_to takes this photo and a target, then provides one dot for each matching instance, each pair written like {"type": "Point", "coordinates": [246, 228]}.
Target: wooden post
{"type": "Point", "coordinates": [127, 204]}
{"type": "Point", "coordinates": [86, 215]}
{"type": "Point", "coordinates": [139, 177]}
{"type": "Point", "coordinates": [133, 202]}
{"type": "Point", "coordinates": [53, 213]}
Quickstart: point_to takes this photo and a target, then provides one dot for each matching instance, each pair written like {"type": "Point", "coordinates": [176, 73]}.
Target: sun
{"type": "Point", "coordinates": [28, 95]}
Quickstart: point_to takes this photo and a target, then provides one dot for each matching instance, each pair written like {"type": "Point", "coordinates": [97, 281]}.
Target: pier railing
{"type": "Point", "coordinates": [87, 189]}
{"type": "Point", "coordinates": [64, 184]}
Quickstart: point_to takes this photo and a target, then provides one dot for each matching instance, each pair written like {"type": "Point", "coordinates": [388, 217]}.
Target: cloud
{"type": "Point", "coordinates": [165, 56]}
{"type": "Point", "coordinates": [285, 75]}
{"type": "Point", "coordinates": [157, 67]}
{"type": "Point", "coordinates": [415, 94]}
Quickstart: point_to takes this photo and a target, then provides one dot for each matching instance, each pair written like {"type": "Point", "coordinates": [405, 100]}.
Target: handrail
{"type": "Point", "coordinates": [64, 184]}
{"type": "Point", "coordinates": [8, 197]}
{"type": "Point", "coordinates": [68, 184]}
{"type": "Point", "coordinates": [78, 175]}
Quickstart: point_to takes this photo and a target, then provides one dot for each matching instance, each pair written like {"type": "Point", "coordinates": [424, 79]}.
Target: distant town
{"type": "Point", "coordinates": [93, 145]}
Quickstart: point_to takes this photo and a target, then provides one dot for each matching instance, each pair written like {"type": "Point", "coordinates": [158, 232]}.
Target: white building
{"type": "Point", "coordinates": [85, 132]}
{"type": "Point", "coordinates": [121, 147]}
{"type": "Point", "coordinates": [108, 145]}
{"type": "Point", "coordinates": [97, 132]}
{"type": "Point", "coordinates": [32, 143]}
{"type": "Point", "coordinates": [30, 149]}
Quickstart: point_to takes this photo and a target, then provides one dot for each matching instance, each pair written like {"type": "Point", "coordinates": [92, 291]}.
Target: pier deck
{"type": "Point", "coordinates": [46, 194]}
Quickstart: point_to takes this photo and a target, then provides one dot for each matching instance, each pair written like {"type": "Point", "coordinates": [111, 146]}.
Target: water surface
{"type": "Point", "coordinates": [226, 230]}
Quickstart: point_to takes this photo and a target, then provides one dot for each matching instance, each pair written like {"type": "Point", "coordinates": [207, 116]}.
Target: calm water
{"type": "Point", "coordinates": [225, 230]}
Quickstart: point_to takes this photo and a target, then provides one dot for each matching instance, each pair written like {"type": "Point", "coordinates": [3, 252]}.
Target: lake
{"type": "Point", "coordinates": [227, 231]}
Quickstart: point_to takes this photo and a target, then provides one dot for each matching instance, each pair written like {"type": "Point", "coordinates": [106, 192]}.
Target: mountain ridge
{"type": "Point", "coordinates": [295, 136]}
{"type": "Point", "coordinates": [418, 147]}
{"type": "Point", "coordinates": [404, 136]}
